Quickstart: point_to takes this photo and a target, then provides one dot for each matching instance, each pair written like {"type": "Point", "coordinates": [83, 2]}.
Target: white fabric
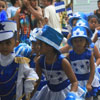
{"type": "Point", "coordinates": [24, 72]}
{"type": "Point", "coordinates": [52, 16]}
{"type": "Point", "coordinates": [9, 26]}
{"type": "Point", "coordinates": [11, 11]}
{"type": "Point", "coordinates": [6, 35]}
{"type": "Point", "coordinates": [47, 94]}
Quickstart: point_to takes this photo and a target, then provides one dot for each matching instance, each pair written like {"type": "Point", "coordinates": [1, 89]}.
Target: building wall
{"type": "Point", "coordinates": [85, 6]}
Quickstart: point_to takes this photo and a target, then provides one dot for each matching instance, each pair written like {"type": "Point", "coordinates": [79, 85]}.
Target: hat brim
{"type": "Point", "coordinates": [6, 35]}
{"type": "Point", "coordinates": [47, 41]}
{"type": "Point", "coordinates": [70, 39]}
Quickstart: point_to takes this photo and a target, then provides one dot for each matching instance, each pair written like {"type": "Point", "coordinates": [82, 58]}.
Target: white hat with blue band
{"type": "Point", "coordinates": [7, 29]}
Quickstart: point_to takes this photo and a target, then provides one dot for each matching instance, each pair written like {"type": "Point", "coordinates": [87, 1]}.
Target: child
{"type": "Point", "coordinates": [81, 58]}
{"type": "Point", "coordinates": [16, 77]}
{"type": "Point", "coordinates": [3, 5]}
{"type": "Point", "coordinates": [94, 26]}
{"type": "Point", "coordinates": [97, 12]}
{"type": "Point", "coordinates": [54, 66]}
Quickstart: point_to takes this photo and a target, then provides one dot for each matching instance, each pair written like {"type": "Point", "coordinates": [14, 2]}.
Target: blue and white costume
{"type": "Point", "coordinates": [57, 81]}
{"type": "Point", "coordinates": [81, 67]}
{"type": "Point", "coordinates": [11, 78]}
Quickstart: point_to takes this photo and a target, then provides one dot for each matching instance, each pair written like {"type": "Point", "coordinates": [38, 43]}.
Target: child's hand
{"type": "Point", "coordinates": [89, 87]}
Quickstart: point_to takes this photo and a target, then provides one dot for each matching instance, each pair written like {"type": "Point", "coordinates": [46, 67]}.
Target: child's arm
{"type": "Point", "coordinates": [68, 70]}
{"type": "Point", "coordinates": [92, 71]}
{"type": "Point", "coordinates": [39, 72]}
{"type": "Point", "coordinates": [65, 49]}
{"type": "Point", "coordinates": [95, 38]}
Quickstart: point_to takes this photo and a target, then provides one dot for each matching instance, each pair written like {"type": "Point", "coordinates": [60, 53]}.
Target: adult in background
{"type": "Point", "coordinates": [97, 12]}
{"type": "Point", "coordinates": [50, 16]}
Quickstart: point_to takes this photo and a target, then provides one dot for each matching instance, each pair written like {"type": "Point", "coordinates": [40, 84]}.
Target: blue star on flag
{"type": "Point", "coordinates": [1, 26]}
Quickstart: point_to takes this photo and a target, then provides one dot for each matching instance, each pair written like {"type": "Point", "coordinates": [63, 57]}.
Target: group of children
{"type": "Point", "coordinates": [40, 71]}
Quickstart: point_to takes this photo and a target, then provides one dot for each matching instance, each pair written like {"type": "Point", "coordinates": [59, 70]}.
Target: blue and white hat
{"type": "Point", "coordinates": [84, 23]}
{"type": "Point", "coordinates": [78, 31]}
{"type": "Point", "coordinates": [78, 15]}
{"type": "Point", "coordinates": [34, 33]}
{"type": "Point", "coordinates": [51, 37]}
{"type": "Point", "coordinates": [23, 49]}
{"type": "Point", "coordinates": [7, 29]}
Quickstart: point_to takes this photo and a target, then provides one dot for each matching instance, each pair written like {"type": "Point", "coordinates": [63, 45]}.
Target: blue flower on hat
{"type": "Point", "coordinates": [1, 26]}
{"type": "Point", "coordinates": [84, 23]}
{"type": "Point", "coordinates": [77, 14]}
{"type": "Point", "coordinates": [81, 23]}
{"type": "Point", "coordinates": [78, 32]}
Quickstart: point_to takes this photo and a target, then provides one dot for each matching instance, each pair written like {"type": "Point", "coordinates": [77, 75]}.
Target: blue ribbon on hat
{"type": "Point", "coordinates": [3, 15]}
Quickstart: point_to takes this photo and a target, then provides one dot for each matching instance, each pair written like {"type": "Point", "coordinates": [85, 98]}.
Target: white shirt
{"type": "Point", "coordinates": [53, 17]}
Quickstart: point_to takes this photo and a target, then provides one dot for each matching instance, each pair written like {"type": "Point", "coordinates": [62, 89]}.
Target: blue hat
{"type": "Point", "coordinates": [78, 31]}
{"type": "Point", "coordinates": [51, 37]}
{"type": "Point", "coordinates": [78, 15]}
{"type": "Point", "coordinates": [23, 49]}
{"type": "Point", "coordinates": [3, 15]}
{"type": "Point", "coordinates": [84, 23]}
{"type": "Point", "coordinates": [7, 29]}
{"type": "Point", "coordinates": [34, 33]}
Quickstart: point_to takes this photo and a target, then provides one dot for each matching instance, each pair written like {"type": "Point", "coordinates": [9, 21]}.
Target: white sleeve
{"type": "Point", "coordinates": [9, 12]}
{"type": "Point", "coordinates": [46, 13]}
{"type": "Point", "coordinates": [30, 76]}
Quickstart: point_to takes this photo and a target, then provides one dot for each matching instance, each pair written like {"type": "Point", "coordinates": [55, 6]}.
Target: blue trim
{"type": "Point", "coordinates": [5, 32]}
{"type": "Point", "coordinates": [82, 77]}
{"type": "Point", "coordinates": [7, 21]}
{"type": "Point", "coordinates": [59, 87]}
{"type": "Point", "coordinates": [59, 3]}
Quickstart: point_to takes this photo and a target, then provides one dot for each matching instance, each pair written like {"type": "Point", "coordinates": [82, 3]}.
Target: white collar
{"type": "Point", "coordinates": [6, 60]}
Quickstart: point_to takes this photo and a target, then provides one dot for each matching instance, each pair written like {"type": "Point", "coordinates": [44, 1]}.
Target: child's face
{"type": "Point", "coordinates": [34, 47]}
{"type": "Point", "coordinates": [79, 43]}
{"type": "Point", "coordinates": [93, 23]}
{"type": "Point", "coordinates": [2, 5]}
{"type": "Point", "coordinates": [6, 46]}
{"type": "Point", "coordinates": [44, 48]}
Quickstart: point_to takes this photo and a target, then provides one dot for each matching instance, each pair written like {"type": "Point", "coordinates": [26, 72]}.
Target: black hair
{"type": "Point", "coordinates": [93, 16]}
{"type": "Point", "coordinates": [51, 1]}
{"type": "Point", "coordinates": [98, 1]}
{"type": "Point", "coordinates": [13, 2]}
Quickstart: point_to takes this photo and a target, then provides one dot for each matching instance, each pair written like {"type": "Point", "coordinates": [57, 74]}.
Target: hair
{"type": "Point", "coordinates": [13, 2]}
{"type": "Point", "coordinates": [51, 1]}
{"type": "Point", "coordinates": [93, 16]}
{"type": "Point", "coordinates": [98, 1]}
